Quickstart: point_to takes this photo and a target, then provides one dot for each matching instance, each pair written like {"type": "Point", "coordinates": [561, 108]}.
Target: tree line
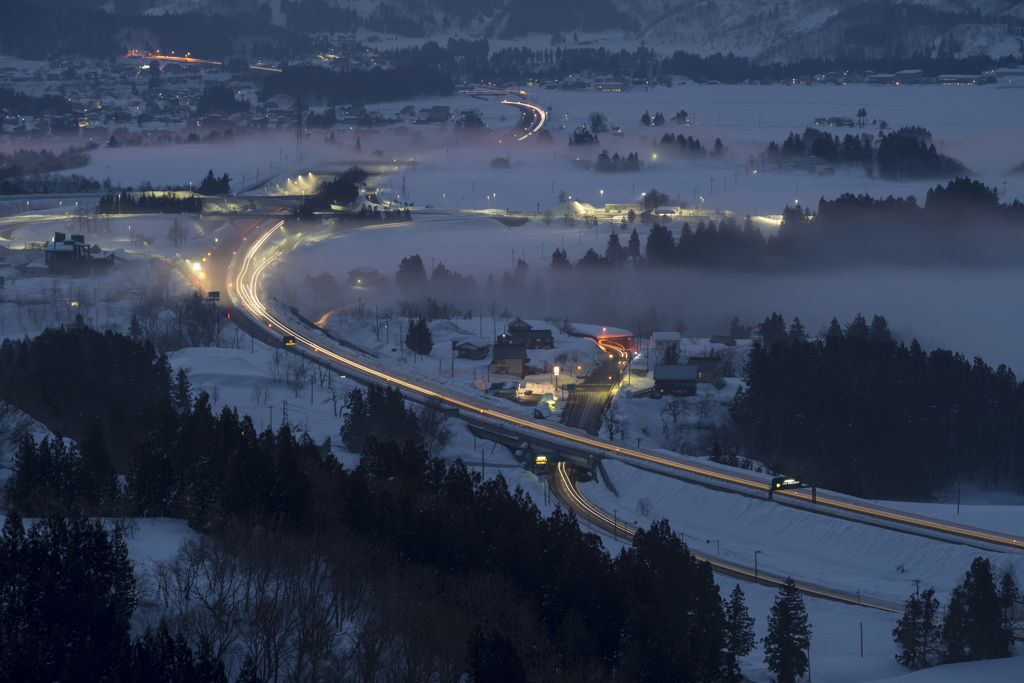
{"type": "Point", "coordinates": [27, 162]}
{"type": "Point", "coordinates": [899, 155]}
{"type": "Point", "coordinates": [978, 623]}
{"type": "Point", "coordinates": [858, 412]}
{"type": "Point", "coordinates": [848, 229]}
{"type": "Point", "coordinates": [148, 202]}
{"type": "Point", "coordinates": [506, 588]}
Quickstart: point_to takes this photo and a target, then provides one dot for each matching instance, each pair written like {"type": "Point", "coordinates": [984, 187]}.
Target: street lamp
{"type": "Point", "coordinates": [718, 546]}
{"type": "Point", "coordinates": [555, 370]}
{"type": "Point", "coordinates": [756, 552]}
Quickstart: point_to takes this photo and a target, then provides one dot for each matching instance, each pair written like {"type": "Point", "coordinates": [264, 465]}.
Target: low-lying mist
{"type": "Point", "coordinates": [967, 309]}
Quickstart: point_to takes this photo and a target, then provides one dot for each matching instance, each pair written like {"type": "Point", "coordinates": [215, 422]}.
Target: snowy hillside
{"type": "Point", "coordinates": [783, 31]}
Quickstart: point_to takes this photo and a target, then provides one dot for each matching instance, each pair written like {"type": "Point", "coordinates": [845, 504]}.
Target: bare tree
{"type": "Point", "coordinates": [614, 423]}
{"type": "Point", "coordinates": [277, 368]}
{"type": "Point", "coordinates": [675, 408]}
{"type": "Point", "coordinates": [705, 404]}
{"type": "Point", "coordinates": [434, 428]}
{"type": "Point", "coordinates": [261, 394]}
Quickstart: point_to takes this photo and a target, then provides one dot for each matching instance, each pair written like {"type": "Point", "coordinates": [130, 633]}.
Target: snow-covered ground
{"type": "Point", "coordinates": [965, 310]}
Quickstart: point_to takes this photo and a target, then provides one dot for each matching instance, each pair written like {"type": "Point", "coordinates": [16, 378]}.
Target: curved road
{"type": "Point", "coordinates": [249, 263]}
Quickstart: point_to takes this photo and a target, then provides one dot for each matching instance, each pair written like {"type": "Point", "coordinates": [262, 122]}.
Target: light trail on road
{"type": "Point", "coordinates": [247, 291]}
{"type": "Point", "coordinates": [624, 531]}
{"type": "Point", "coordinates": [538, 112]}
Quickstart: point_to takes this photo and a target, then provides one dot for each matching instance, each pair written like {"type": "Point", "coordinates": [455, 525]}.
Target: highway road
{"type": "Point", "coordinates": [563, 486]}
{"type": "Point", "coordinates": [261, 250]}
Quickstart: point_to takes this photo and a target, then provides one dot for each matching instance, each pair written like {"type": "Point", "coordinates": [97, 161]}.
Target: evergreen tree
{"type": "Point", "coordinates": [419, 339]}
{"type": "Point", "coordinates": [181, 393]}
{"type": "Point", "coordinates": [356, 427]}
{"type": "Point", "coordinates": [411, 277]}
{"type": "Point", "coordinates": [917, 631]}
{"type": "Point", "coordinates": [614, 252]}
{"type": "Point", "coordinates": [135, 329]}
{"type": "Point", "coordinates": [834, 332]}
{"type": "Point", "coordinates": [797, 333]}
{"type": "Point", "coordinates": [789, 635]}
{"type": "Point", "coordinates": [773, 331]}
{"type": "Point", "coordinates": [97, 478]}
{"type": "Point", "coordinates": [159, 656]}
{"type": "Point", "coordinates": [660, 246]}
{"type": "Point", "coordinates": [493, 657]}
{"type": "Point", "coordinates": [671, 355]}
{"type": "Point", "coordinates": [633, 246]}
{"type": "Point", "coordinates": [646, 118]}
{"type": "Point", "coordinates": [1009, 596]}
{"type": "Point", "coordinates": [739, 634]}
{"type": "Point", "coordinates": [559, 259]}
{"type": "Point", "coordinates": [858, 328]}
{"type": "Point", "coordinates": [67, 593]}
{"type": "Point", "coordinates": [973, 627]}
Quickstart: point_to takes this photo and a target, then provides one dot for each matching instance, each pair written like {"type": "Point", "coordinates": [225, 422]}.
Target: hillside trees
{"type": "Point", "coordinates": [973, 627]}
{"type": "Point", "coordinates": [67, 593]}
{"type": "Point", "coordinates": [898, 403]}
{"type": "Point", "coordinates": [739, 634]}
{"type": "Point", "coordinates": [917, 631]}
{"type": "Point", "coordinates": [419, 339]}
{"type": "Point", "coordinates": [789, 635]}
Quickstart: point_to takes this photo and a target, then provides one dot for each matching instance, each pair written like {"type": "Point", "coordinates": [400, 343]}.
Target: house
{"type": "Point", "coordinates": [509, 359]}
{"type": "Point", "coordinates": [675, 380]}
{"type": "Point", "coordinates": [70, 254]}
{"type": "Point", "coordinates": [723, 340]}
{"type": "Point", "coordinates": [473, 348]}
{"type": "Point", "coordinates": [524, 334]}
{"type": "Point", "coordinates": [662, 340]}
{"type": "Point", "coordinates": [709, 368]}
{"type": "Point", "coordinates": [365, 276]}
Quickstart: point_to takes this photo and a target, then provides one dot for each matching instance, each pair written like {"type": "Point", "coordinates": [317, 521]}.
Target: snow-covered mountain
{"type": "Point", "coordinates": [780, 31]}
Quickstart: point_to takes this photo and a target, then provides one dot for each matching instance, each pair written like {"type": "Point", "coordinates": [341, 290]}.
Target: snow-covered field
{"type": "Point", "coordinates": [969, 311]}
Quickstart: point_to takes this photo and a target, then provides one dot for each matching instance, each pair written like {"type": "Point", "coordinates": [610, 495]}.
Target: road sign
{"type": "Point", "coordinates": [569, 387]}
{"type": "Point", "coordinates": [451, 412]}
{"type": "Point", "coordinates": [289, 340]}
{"type": "Point", "coordinates": [213, 296]}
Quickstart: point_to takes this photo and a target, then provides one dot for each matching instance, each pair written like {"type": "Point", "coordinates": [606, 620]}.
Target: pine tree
{"type": "Point", "coordinates": [633, 246]}
{"type": "Point", "coordinates": [493, 657]}
{"type": "Point", "coordinates": [1009, 596]}
{"type": "Point", "coordinates": [181, 393]}
{"type": "Point", "coordinates": [356, 427]}
{"type": "Point", "coordinates": [614, 251]}
{"type": "Point", "coordinates": [739, 634]}
{"type": "Point", "coordinates": [418, 339]}
{"type": "Point", "coordinates": [917, 631]}
{"type": "Point", "coordinates": [671, 355]}
{"type": "Point", "coordinates": [973, 627]}
{"type": "Point", "coordinates": [789, 635]}
{"type": "Point", "coordinates": [797, 333]}
{"type": "Point", "coordinates": [559, 259]}
{"type": "Point", "coordinates": [97, 478]}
